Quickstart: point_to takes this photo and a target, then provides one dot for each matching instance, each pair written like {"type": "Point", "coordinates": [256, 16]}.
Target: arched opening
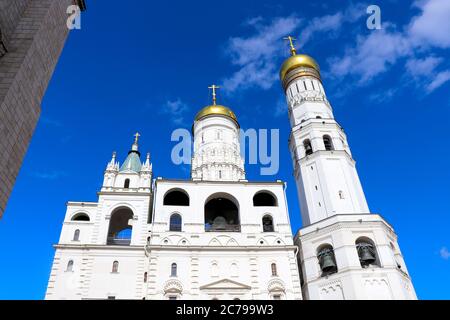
{"type": "Point", "coordinates": [367, 252]}
{"type": "Point", "coordinates": [328, 142]}
{"type": "Point", "coordinates": [221, 214]}
{"type": "Point", "coordinates": [80, 217]}
{"type": "Point", "coordinates": [173, 270]}
{"type": "Point", "coordinates": [126, 184]}
{"type": "Point", "coordinates": [264, 199]}
{"type": "Point", "coordinates": [308, 147]}
{"type": "Point", "coordinates": [76, 235]}
{"type": "Point", "coordinates": [145, 277]}
{"type": "Point", "coordinates": [267, 222]}
{"type": "Point", "coordinates": [327, 260]}
{"type": "Point", "coordinates": [273, 268]}
{"type": "Point", "coordinates": [176, 198]}
{"type": "Point", "coordinates": [69, 266]}
{"type": "Point", "coordinates": [175, 222]}
{"type": "Point", "coordinates": [115, 267]}
{"type": "Point", "coordinates": [120, 228]}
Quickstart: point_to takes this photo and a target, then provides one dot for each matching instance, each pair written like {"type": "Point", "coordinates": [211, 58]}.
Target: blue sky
{"type": "Point", "coordinates": [145, 66]}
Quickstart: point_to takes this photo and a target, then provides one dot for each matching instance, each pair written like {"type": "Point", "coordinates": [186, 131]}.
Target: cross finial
{"type": "Point", "coordinates": [136, 137]}
{"type": "Point", "coordinates": [291, 44]}
{"type": "Point", "coordinates": [214, 95]}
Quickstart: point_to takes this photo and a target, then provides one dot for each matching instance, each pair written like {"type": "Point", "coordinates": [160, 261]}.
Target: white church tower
{"type": "Point", "coordinates": [345, 252]}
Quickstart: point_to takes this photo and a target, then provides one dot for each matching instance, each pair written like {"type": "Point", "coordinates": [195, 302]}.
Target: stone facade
{"type": "Point", "coordinates": [33, 35]}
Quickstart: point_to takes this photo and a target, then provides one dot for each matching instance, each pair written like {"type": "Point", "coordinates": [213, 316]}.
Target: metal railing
{"type": "Point", "coordinates": [223, 228]}
{"type": "Point", "coordinates": [118, 242]}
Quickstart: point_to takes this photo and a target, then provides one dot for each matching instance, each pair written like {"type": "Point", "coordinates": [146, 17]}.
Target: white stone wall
{"type": "Point", "coordinates": [217, 150]}
{"type": "Point", "coordinates": [389, 280]}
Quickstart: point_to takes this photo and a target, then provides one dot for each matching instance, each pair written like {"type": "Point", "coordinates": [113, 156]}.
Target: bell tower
{"type": "Point", "coordinates": [345, 252]}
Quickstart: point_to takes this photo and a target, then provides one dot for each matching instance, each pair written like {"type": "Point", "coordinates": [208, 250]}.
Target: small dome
{"type": "Point", "coordinates": [298, 61]}
{"type": "Point", "coordinates": [215, 110]}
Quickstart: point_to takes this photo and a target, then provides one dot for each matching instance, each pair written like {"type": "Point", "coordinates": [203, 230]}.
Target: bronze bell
{"type": "Point", "coordinates": [326, 260]}
{"type": "Point", "coordinates": [220, 223]}
{"type": "Point", "coordinates": [366, 255]}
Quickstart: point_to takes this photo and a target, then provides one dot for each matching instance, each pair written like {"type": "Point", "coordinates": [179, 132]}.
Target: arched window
{"type": "Point", "coordinates": [173, 270]}
{"type": "Point", "coordinates": [115, 267]}
{"type": "Point", "coordinates": [328, 142]}
{"type": "Point", "coordinates": [126, 184]}
{"type": "Point", "coordinates": [120, 228]}
{"type": "Point", "coordinates": [80, 217]}
{"type": "Point", "coordinates": [267, 222]}
{"type": "Point", "coordinates": [327, 260]}
{"type": "Point", "coordinates": [367, 252]}
{"type": "Point", "coordinates": [69, 266]}
{"type": "Point", "coordinates": [264, 199]}
{"type": "Point", "coordinates": [145, 277]}
{"type": "Point", "coordinates": [308, 147]}
{"type": "Point", "coordinates": [175, 222]}
{"type": "Point", "coordinates": [76, 235]}
{"type": "Point", "coordinates": [221, 215]}
{"type": "Point", "coordinates": [176, 198]}
{"type": "Point", "coordinates": [273, 267]}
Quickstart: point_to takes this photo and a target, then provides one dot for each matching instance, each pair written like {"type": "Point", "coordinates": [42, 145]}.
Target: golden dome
{"type": "Point", "coordinates": [215, 110]}
{"type": "Point", "coordinates": [298, 61]}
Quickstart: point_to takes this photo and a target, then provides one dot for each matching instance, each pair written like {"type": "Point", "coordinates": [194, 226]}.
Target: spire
{"type": "Point", "coordinates": [214, 95]}
{"type": "Point", "coordinates": [133, 161]}
{"type": "Point", "coordinates": [291, 44]}
{"type": "Point", "coordinates": [147, 166]}
{"type": "Point", "coordinates": [113, 164]}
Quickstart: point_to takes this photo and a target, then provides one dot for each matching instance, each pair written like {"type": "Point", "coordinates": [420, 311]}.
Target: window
{"type": "Point", "coordinates": [308, 147]}
{"type": "Point", "coordinates": [145, 277]}
{"type": "Point", "coordinates": [341, 195]}
{"type": "Point", "coordinates": [126, 184]}
{"type": "Point", "coordinates": [172, 297]}
{"type": "Point", "coordinates": [328, 142]}
{"type": "Point", "coordinates": [367, 252]}
{"type": "Point", "coordinates": [69, 266]}
{"type": "Point", "coordinates": [264, 199]}
{"type": "Point", "coordinates": [276, 297]}
{"type": "Point", "coordinates": [327, 260]}
{"type": "Point", "coordinates": [267, 222]}
{"type": "Point", "coordinates": [176, 198]}
{"type": "Point", "coordinates": [175, 222]}
{"type": "Point", "coordinates": [115, 267]}
{"type": "Point", "coordinates": [120, 228]}
{"type": "Point", "coordinates": [80, 217]}
{"type": "Point", "coordinates": [274, 269]}
{"type": "Point", "coordinates": [111, 297]}
{"type": "Point", "coordinates": [173, 270]}
{"type": "Point", "coordinates": [76, 235]}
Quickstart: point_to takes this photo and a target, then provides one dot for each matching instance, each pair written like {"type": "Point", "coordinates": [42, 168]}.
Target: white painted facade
{"type": "Point", "coordinates": [219, 236]}
{"type": "Point", "coordinates": [334, 210]}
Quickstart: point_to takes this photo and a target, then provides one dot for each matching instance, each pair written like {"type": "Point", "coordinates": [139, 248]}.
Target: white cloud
{"type": "Point", "coordinates": [432, 26]}
{"type": "Point", "coordinates": [256, 56]}
{"type": "Point", "coordinates": [439, 80]}
{"type": "Point", "coordinates": [444, 253]}
{"type": "Point", "coordinates": [176, 109]}
{"type": "Point", "coordinates": [374, 54]}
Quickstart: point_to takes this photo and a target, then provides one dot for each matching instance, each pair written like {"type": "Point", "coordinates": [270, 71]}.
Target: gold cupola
{"type": "Point", "coordinates": [216, 109]}
{"type": "Point", "coordinates": [302, 63]}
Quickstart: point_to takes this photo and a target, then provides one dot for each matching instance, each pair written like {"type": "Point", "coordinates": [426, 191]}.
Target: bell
{"type": "Point", "coordinates": [220, 223]}
{"type": "Point", "coordinates": [366, 255]}
{"type": "Point", "coordinates": [327, 263]}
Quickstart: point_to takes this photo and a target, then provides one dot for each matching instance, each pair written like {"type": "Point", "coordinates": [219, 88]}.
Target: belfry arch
{"type": "Point", "coordinates": [222, 213]}
{"type": "Point", "coordinates": [120, 227]}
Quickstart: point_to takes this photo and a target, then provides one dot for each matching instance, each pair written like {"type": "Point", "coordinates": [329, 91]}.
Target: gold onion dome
{"type": "Point", "coordinates": [215, 110]}
{"type": "Point", "coordinates": [298, 61]}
